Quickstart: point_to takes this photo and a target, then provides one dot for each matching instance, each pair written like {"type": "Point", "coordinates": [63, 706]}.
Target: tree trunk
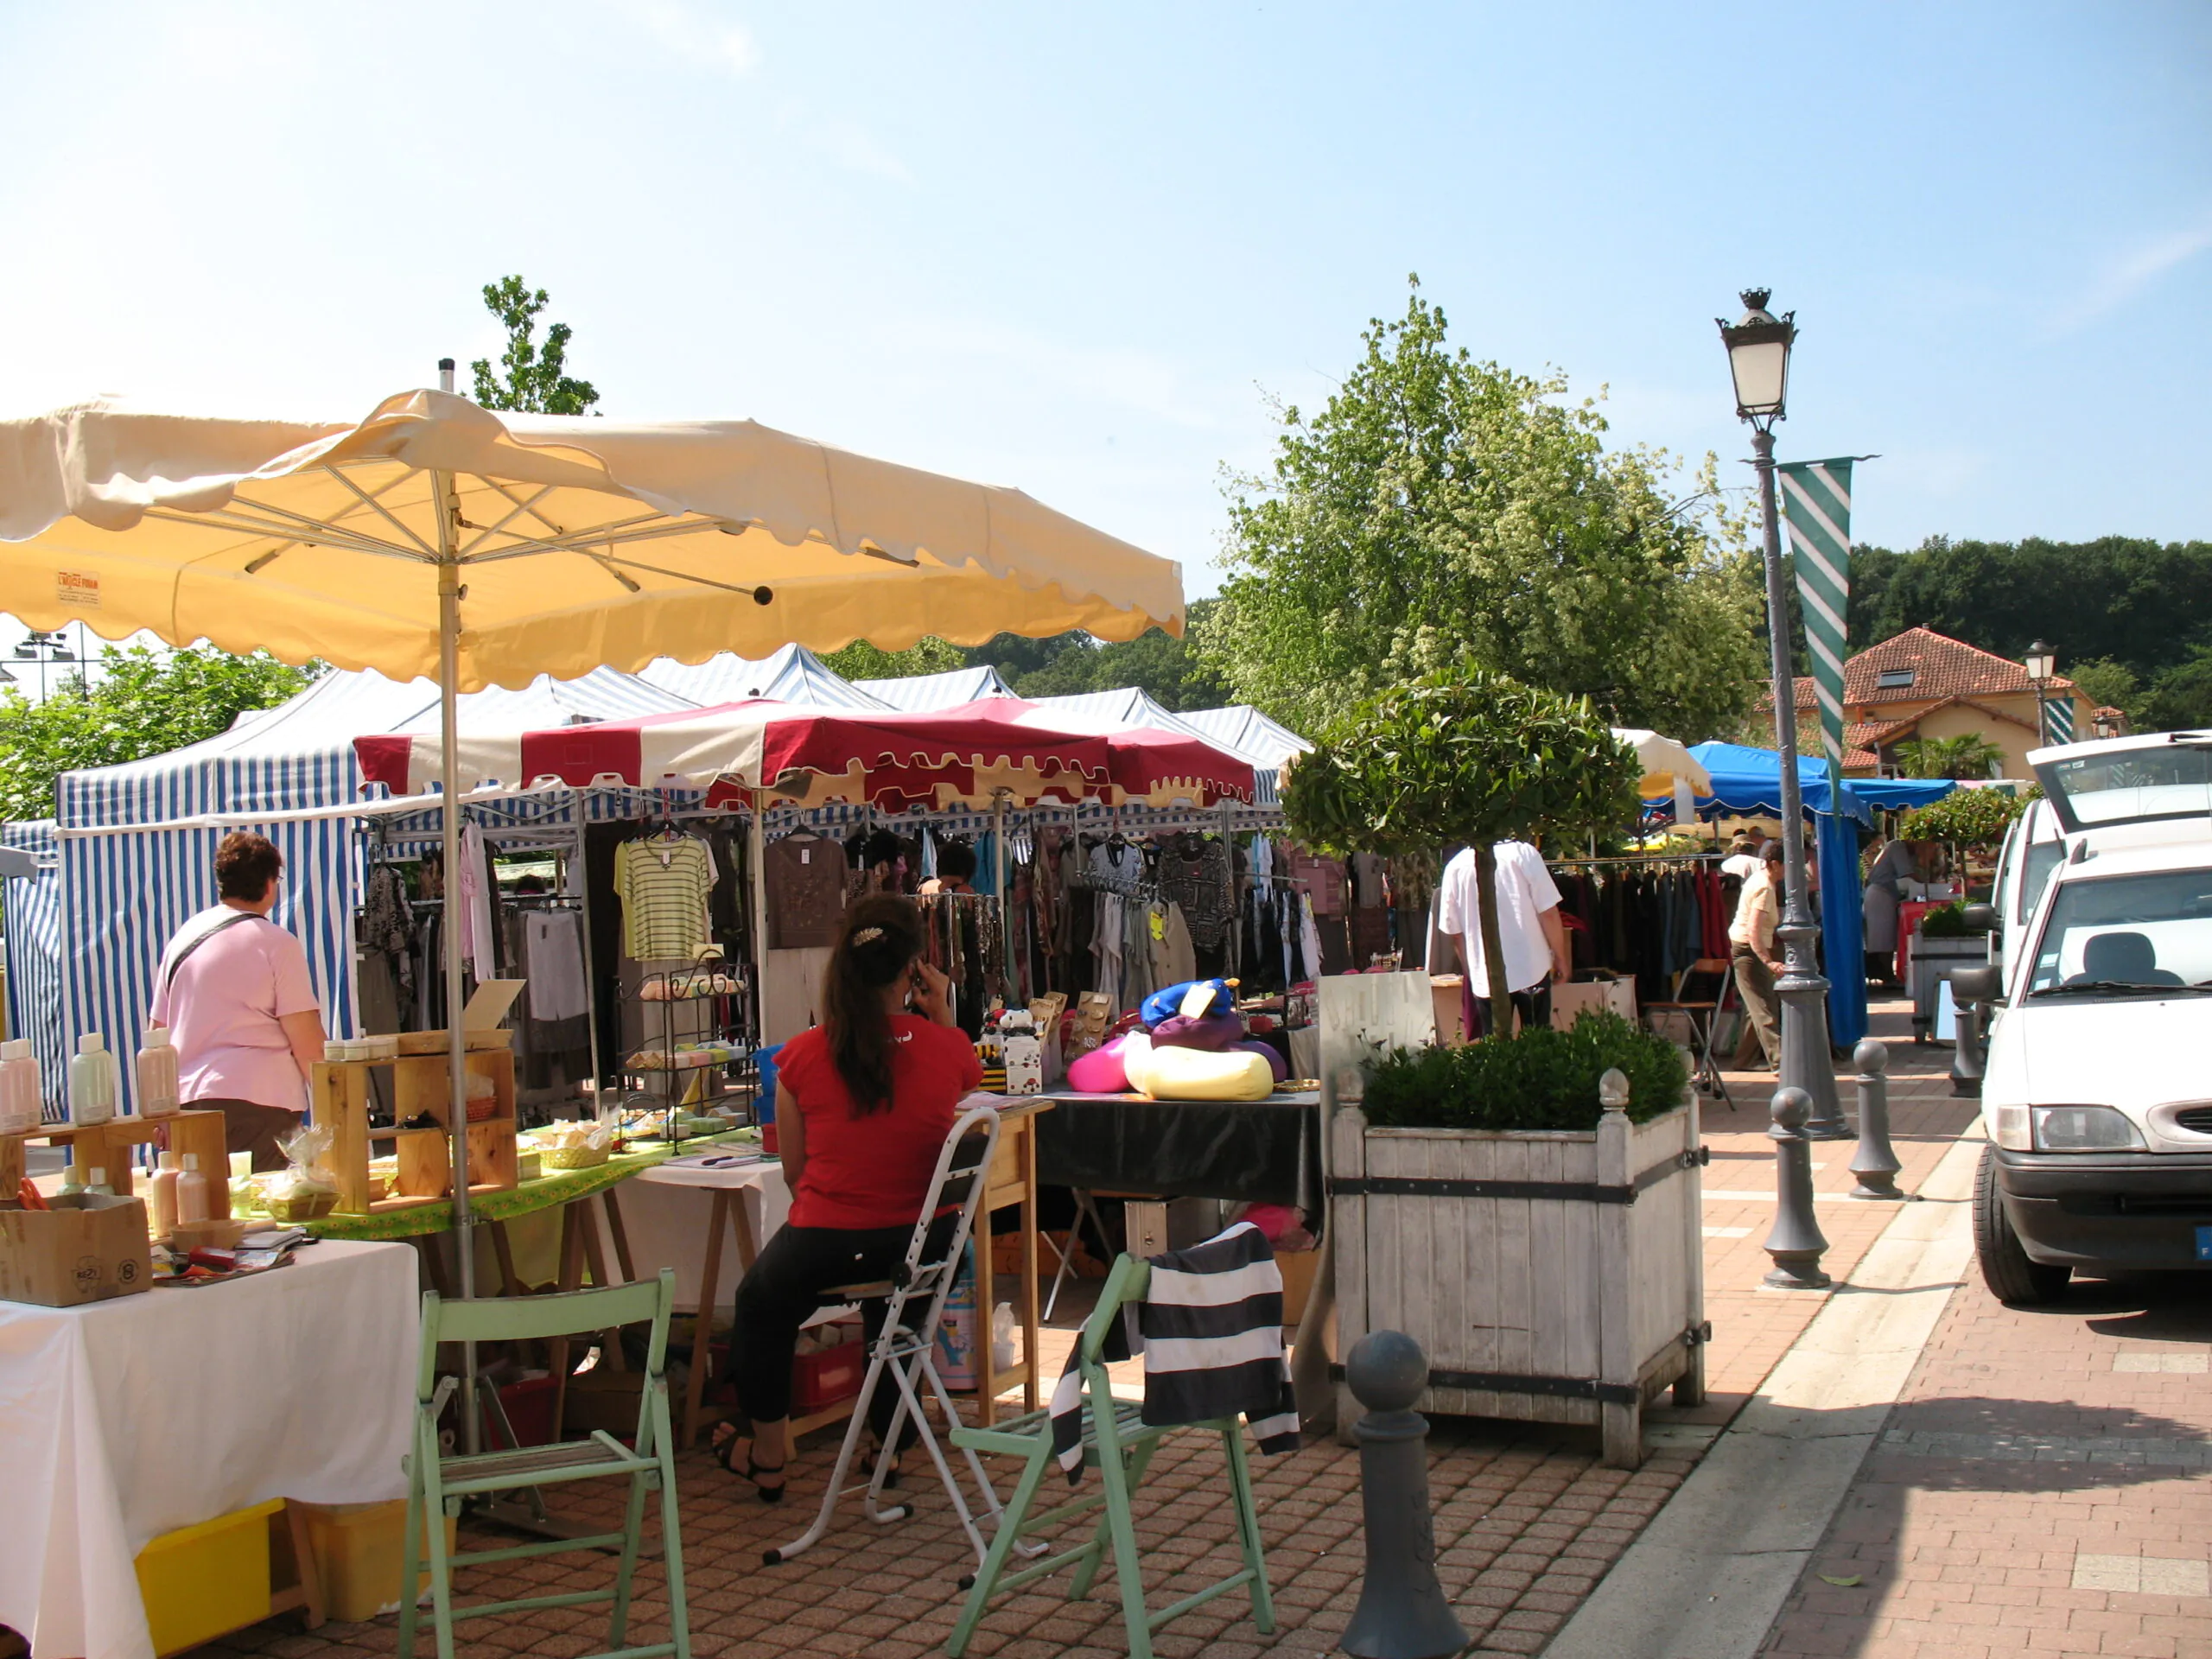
{"type": "Point", "coordinates": [1501, 997]}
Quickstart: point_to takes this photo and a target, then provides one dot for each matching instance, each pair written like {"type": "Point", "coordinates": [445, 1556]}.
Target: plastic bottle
{"type": "Point", "coordinates": [1002, 1336]}
{"type": "Point", "coordinates": [157, 1081]}
{"type": "Point", "coordinates": [73, 1177]}
{"type": "Point", "coordinates": [92, 1082]}
{"type": "Point", "coordinates": [161, 1196]}
{"type": "Point", "coordinates": [195, 1198]}
{"type": "Point", "coordinates": [96, 1183]}
{"type": "Point", "coordinates": [21, 1106]}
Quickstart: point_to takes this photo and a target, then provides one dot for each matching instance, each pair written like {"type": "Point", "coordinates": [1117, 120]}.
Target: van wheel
{"type": "Point", "coordinates": [2005, 1268]}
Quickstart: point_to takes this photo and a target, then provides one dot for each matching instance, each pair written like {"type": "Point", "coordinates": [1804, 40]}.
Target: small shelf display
{"type": "Point", "coordinates": [685, 1074]}
{"type": "Point", "coordinates": [418, 1167]}
{"type": "Point", "coordinates": [108, 1146]}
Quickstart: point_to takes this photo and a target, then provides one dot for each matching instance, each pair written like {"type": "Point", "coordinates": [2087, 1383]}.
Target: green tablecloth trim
{"type": "Point", "coordinates": [560, 1187]}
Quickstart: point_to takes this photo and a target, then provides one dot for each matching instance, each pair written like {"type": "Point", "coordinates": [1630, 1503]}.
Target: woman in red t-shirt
{"type": "Point", "coordinates": [865, 1101]}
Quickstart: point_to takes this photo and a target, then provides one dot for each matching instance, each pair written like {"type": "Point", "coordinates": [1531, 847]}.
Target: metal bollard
{"type": "Point", "coordinates": [1971, 991]}
{"type": "Point", "coordinates": [1875, 1163]}
{"type": "Point", "coordinates": [1403, 1613]}
{"type": "Point", "coordinates": [1795, 1244]}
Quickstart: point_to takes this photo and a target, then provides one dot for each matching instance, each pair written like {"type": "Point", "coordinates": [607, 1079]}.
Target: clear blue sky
{"type": "Point", "coordinates": [1076, 253]}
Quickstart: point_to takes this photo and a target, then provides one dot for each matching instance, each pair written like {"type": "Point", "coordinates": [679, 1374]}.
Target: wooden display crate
{"type": "Point", "coordinates": [107, 1146]}
{"type": "Point", "coordinates": [421, 1084]}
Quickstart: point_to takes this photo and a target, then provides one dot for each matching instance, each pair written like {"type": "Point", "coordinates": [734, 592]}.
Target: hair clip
{"type": "Point", "coordinates": [868, 936]}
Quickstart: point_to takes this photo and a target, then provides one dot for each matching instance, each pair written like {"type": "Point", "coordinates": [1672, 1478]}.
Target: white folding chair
{"type": "Point", "coordinates": [902, 1354]}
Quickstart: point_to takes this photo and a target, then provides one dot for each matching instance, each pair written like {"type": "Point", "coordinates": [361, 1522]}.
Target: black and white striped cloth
{"type": "Point", "coordinates": [1210, 1331]}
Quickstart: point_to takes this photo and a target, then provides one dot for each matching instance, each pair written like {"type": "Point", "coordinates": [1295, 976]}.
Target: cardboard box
{"type": "Point", "coordinates": [1570, 1000]}
{"type": "Point", "coordinates": [85, 1249]}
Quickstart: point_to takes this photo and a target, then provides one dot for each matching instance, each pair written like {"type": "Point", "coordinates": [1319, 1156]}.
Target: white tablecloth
{"type": "Point", "coordinates": [665, 1209]}
{"type": "Point", "coordinates": [130, 1418]}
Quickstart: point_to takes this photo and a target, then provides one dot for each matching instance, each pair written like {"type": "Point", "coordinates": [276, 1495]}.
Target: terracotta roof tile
{"type": "Point", "coordinates": [1942, 668]}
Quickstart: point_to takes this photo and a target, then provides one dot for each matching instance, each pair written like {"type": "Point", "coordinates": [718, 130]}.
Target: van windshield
{"type": "Point", "coordinates": [2127, 934]}
{"type": "Point", "coordinates": [2130, 785]}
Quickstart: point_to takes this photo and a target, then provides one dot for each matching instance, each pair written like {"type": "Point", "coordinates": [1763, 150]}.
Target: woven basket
{"type": "Point", "coordinates": [573, 1157]}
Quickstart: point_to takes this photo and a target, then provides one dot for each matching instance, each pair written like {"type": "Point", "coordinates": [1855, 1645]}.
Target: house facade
{"type": "Point", "coordinates": [1923, 684]}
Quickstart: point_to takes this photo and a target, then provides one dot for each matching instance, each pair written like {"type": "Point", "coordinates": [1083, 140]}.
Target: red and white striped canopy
{"type": "Point", "coordinates": [963, 755]}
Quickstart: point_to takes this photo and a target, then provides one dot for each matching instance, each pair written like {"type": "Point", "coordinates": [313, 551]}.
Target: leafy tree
{"type": "Point", "coordinates": [2180, 700]}
{"type": "Point", "coordinates": [2109, 685]}
{"type": "Point", "coordinates": [1968, 755]}
{"type": "Point", "coordinates": [1442, 511]}
{"type": "Point", "coordinates": [536, 381]}
{"type": "Point", "coordinates": [1171, 669]}
{"type": "Point", "coordinates": [1461, 755]}
{"type": "Point", "coordinates": [144, 703]}
{"type": "Point", "coordinates": [2118, 599]}
{"type": "Point", "coordinates": [1966, 818]}
{"type": "Point", "coordinates": [862, 661]}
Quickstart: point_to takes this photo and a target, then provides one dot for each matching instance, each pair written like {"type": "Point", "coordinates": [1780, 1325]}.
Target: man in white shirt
{"type": "Point", "coordinates": [1530, 935]}
{"type": "Point", "coordinates": [1743, 860]}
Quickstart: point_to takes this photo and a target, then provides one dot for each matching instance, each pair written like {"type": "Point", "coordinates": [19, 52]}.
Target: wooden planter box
{"type": "Point", "coordinates": [1549, 1277]}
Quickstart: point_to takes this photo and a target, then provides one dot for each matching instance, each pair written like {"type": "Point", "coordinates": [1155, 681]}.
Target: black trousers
{"type": "Point", "coordinates": [1533, 1008]}
{"type": "Point", "coordinates": [785, 1288]}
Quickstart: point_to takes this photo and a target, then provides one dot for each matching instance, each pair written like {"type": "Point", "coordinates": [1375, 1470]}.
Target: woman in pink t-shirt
{"type": "Point", "coordinates": [234, 989]}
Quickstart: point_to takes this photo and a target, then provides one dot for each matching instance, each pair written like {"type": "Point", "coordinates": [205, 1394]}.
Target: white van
{"type": "Point", "coordinates": [2097, 1096]}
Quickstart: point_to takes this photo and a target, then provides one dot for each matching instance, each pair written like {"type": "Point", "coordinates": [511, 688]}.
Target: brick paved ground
{"type": "Point", "coordinates": [2041, 1486]}
{"type": "Point", "coordinates": [1526, 1520]}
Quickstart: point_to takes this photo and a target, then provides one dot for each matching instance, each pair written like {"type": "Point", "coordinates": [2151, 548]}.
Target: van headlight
{"type": "Point", "coordinates": [2084, 1128]}
{"type": "Point", "coordinates": [2008, 1127]}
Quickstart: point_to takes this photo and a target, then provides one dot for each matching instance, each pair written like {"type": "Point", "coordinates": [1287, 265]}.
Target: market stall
{"type": "Point", "coordinates": [132, 1418]}
{"type": "Point", "coordinates": [1746, 782]}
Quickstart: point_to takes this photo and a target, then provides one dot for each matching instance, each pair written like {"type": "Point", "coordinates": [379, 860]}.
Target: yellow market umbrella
{"type": "Point", "coordinates": [1665, 762]}
{"type": "Point", "coordinates": [435, 537]}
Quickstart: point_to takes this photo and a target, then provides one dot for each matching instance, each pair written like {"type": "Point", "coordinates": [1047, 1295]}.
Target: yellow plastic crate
{"type": "Point", "coordinates": [204, 1581]}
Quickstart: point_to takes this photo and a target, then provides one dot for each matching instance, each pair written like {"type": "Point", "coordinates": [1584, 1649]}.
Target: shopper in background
{"type": "Point", "coordinates": [234, 992]}
{"type": "Point", "coordinates": [1743, 860]}
{"type": "Point", "coordinates": [865, 1101]}
{"type": "Point", "coordinates": [1757, 956]}
{"type": "Point", "coordinates": [956, 868]}
{"type": "Point", "coordinates": [1531, 937]}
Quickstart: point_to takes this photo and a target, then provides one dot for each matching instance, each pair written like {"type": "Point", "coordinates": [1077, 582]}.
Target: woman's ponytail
{"type": "Point", "coordinates": [879, 939]}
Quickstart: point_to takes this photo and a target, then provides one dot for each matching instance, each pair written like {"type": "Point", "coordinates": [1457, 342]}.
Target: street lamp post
{"type": "Point", "coordinates": [2042, 667]}
{"type": "Point", "coordinates": [44, 648]}
{"type": "Point", "coordinates": [1759, 360]}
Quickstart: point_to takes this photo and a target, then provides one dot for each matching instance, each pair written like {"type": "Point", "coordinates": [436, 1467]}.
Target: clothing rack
{"type": "Point", "coordinates": [1127, 886]}
{"type": "Point", "coordinates": [1644, 859]}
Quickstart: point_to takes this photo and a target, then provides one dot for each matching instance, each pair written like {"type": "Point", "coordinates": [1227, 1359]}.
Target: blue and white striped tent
{"type": "Point", "coordinates": [83, 945]}
{"type": "Point", "coordinates": [794, 674]}
{"type": "Point", "coordinates": [919, 694]}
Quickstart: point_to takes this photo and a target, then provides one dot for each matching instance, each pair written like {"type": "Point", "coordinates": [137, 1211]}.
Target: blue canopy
{"type": "Point", "coordinates": [1747, 781]}
{"type": "Point", "coordinates": [1900, 792]}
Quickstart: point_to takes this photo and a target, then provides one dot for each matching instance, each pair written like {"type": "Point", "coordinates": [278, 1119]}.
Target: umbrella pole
{"type": "Point", "coordinates": [450, 847]}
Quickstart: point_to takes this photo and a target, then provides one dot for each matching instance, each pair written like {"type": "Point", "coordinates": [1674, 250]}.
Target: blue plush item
{"type": "Point", "coordinates": [1164, 1005]}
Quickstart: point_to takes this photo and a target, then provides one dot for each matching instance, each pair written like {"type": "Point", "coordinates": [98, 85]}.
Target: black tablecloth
{"type": "Point", "coordinates": [1258, 1152]}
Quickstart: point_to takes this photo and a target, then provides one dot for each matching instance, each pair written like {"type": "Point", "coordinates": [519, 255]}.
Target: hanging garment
{"type": "Point", "coordinates": [805, 876]}
{"type": "Point", "coordinates": [1107, 942]}
{"type": "Point", "coordinates": [1210, 1329]}
{"type": "Point", "coordinates": [1309, 940]}
{"type": "Point", "coordinates": [664, 882]}
{"type": "Point", "coordinates": [1174, 958]}
{"type": "Point", "coordinates": [478, 942]}
{"type": "Point", "coordinates": [1194, 873]}
{"type": "Point", "coordinates": [388, 923]}
{"type": "Point", "coordinates": [553, 964]}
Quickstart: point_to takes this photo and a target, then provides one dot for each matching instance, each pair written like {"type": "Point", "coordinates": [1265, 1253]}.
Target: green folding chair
{"type": "Point", "coordinates": [1118, 1445]}
{"type": "Point", "coordinates": [436, 1485]}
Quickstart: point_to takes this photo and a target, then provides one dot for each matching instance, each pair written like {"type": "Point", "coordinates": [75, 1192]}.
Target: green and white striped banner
{"type": "Point", "coordinates": [1817, 505]}
{"type": "Point", "coordinates": [2058, 721]}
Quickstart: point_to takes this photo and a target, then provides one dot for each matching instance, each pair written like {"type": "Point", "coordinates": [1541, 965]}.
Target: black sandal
{"type": "Point", "coordinates": [725, 1453]}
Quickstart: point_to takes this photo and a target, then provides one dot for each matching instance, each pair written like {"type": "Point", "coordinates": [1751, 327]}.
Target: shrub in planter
{"type": "Point", "coordinates": [1540, 1079]}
